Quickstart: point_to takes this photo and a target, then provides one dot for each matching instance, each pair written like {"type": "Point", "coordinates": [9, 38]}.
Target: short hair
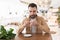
{"type": "Point", "coordinates": [32, 5]}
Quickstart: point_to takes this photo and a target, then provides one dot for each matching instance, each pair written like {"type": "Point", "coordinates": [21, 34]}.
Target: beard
{"type": "Point", "coordinates": [33, 16]}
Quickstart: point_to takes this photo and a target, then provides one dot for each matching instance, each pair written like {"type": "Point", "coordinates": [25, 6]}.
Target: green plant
{"type": "Point", "coordinates": [6, 35]}
{"type": "Point", "coordinates": [58, 12]}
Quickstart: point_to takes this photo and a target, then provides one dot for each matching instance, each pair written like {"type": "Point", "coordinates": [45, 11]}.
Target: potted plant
{"type": "Point", "coordinates": [6, 35]}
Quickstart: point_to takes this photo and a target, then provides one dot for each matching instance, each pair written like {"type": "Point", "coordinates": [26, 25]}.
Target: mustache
{"type": "Point", "coordinates": [33, 16]}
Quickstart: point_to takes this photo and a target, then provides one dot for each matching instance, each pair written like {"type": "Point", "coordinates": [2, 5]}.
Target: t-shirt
{"type": "Point", "coordinates": [33, 28]}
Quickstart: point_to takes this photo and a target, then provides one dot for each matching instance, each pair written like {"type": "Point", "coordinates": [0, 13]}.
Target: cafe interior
{"type": "Point", "coordinates": [17, 10]}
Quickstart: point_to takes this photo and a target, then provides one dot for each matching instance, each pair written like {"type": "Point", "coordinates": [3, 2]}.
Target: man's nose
{"type": "Point", "coordinates": [32, 12]}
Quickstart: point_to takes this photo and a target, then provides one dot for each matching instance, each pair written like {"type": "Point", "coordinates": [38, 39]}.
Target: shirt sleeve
{"type": "Point", "coordinates": [44, 26]}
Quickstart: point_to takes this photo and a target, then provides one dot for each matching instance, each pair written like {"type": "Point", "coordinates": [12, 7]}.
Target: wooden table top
{"type": "Point", "coordinates": [34, 37]}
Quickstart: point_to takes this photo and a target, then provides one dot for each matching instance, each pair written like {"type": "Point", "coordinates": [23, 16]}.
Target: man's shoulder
{"type": "Point", "coordinates": [40, 17]}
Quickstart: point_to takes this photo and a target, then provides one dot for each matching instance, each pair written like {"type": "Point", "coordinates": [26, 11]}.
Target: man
{"type": "Point", "coordinates": [34, 23]}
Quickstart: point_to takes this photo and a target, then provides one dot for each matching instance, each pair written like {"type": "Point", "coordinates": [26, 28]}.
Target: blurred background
{"type": "Point", "coordinates": [16, 10]}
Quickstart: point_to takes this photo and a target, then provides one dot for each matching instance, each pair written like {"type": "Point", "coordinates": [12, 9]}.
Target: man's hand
{"type": "Point", "coordinates": [26, 23]}
{"type": "Point", "coordinates": [33, 23]}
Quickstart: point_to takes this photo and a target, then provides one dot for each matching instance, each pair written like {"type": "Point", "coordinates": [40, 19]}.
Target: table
{"type": "Point", "coordinates": [34, 37]}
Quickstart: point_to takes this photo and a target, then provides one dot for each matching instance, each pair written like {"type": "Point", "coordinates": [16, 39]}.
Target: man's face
{"type": "Point", "coordinates": [32, 11]}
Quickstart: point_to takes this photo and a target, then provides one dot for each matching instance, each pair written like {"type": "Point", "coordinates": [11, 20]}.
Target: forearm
{"type": "Point", "coordinates": [44, 28]}
{"type": "Point", "coordinates": [21, 28]}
